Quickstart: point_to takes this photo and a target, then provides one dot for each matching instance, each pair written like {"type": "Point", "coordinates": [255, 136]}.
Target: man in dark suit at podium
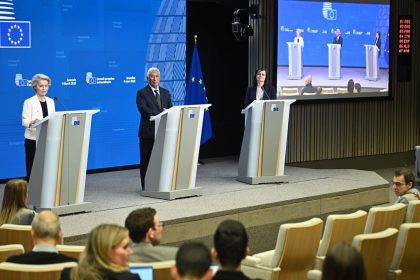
{"type": "Point", "coordinates": [151, 100]}
{"type": "Point", "coordinates": [338, 39]}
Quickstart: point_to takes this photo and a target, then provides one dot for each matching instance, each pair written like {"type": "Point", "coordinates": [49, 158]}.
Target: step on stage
{"type": "Point", "coordinates": [309, 192]}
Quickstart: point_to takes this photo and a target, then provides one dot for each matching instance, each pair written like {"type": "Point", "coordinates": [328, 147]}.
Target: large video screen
{"type": "Point", "coordinates": [96, 53]}
{"type": "Point", "coordinates": [333, 49]}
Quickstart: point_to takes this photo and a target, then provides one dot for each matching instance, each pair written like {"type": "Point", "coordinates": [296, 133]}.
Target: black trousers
{"type": "Point", "coordinates": [30, 148]}
{"type": "Point", "coordinates": [146, 147]}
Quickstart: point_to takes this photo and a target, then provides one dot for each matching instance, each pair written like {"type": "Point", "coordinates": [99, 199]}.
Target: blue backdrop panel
{"type": "Point", "coordinates": [358, 23]}
{"type": "Point", "coordinates": [96, 53]}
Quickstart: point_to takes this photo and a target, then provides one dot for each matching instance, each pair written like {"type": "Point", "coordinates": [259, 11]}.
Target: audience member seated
{"type": "Point", "coordinates": [350, 86]}
{"type": "Point", "coordinates": [230, 248]}
{"type": "Point", "coordinates": [105, 257]}
{"type": "Point", "coordinates": [343, 262]}
{"type": "Point", "coordinates": [46, 234]}
{"type": "Point", "coordinates": [403, 186]}
{"type": "Point", "coordinates": [358, 88]}
{"type": "Point", "coordinates": [14, 209]}
{"type": "Point", "coordinates": [193, 261]}
{"type": "Point", "coordinates": [146, 232]}
{"type": "Point", "coordinates": [308, 86]}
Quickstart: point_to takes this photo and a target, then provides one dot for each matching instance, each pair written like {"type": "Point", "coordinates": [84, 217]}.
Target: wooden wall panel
{"type": "Point", "coordinates": [321, 131]}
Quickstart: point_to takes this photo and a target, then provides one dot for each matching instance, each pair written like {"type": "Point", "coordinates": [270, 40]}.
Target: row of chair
{"type": "Point", "coordinates": [12, 271]}
{"type": "Point", "coordinates": [298, 244]}
{"type": "Point", "coordinates": [6, 251]}
{"type": "Point", "coordinates": [389, 254]}
{"type": "Point", "coordinates": [328, 90]}
{"type": "Point", "coordinates": [300, 247]}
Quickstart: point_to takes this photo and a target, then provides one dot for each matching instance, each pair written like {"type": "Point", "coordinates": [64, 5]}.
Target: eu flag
{"type": "Point", "coordinates": [15, 34]}
{"type": "Point", "coordinates": [196, 94]}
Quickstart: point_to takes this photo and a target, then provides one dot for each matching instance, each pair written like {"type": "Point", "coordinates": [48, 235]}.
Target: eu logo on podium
{"type": "Point", "coordinates": [15, 34]}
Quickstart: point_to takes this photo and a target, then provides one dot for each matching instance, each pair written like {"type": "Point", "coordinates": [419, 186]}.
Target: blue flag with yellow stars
{"type": "Point", "coordinates": [196, 94]}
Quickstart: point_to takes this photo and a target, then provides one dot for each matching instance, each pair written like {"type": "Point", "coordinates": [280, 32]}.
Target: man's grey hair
{"type": "Point", "coordinates": [151, 69]}
{"type": "Point", "coordinates": [46, 225]}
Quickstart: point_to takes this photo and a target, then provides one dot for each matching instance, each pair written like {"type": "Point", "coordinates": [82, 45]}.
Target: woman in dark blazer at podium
{"type": "Point", "coordinates": [35, 109]}
{"type": "Point", "coordinates": [259, 90]}
{"type": "Point", "coordinates": [378, 42]}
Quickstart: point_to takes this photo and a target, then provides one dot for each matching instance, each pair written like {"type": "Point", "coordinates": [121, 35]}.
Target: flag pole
{"type": "Point", "coordinates": [200, 162]}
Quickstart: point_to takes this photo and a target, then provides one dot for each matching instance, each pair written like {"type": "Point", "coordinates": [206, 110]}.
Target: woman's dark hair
{"type": "Point", "coordinates": [256, 72]}
{"type": "Point", "coordinates": [350, 86]}
{"type": "Point", "coordinates": [343, 262]}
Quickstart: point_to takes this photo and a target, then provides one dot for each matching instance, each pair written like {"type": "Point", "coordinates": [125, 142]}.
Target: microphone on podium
{"type": "Point", "coordinates": [61, 103]}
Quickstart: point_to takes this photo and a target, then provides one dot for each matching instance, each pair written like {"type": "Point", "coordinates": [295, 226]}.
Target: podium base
{"type": "Point", "coordinates": [170, 195]}
{"type": "Point", "coordinates": [334, 78]}
{"type": "Point", "coordinates": [294, 77]}
{"type": "Point", "coordinates": [263, 179]}
{"type": "Point", "coordinates": [69, 209]}
{"type": "Point", "coordinates": [371, 78]}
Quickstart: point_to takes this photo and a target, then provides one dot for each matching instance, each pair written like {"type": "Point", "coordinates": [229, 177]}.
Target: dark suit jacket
{"type": "Point", "coordinates": [230, 275]}
{"type": "Point", "coordinates": [251, 94]}
{"type": "Point", "coordinates": [378, 44]}
{"type": "Point", "coordinates": [105, 275]}
{"type": "Point", "coordinates": [148, 107]}
{"type": "Point", "coordinates": [338, 40]}
{"type": "Point", "coordinates": [309, 89]}
{"type": "Point", "coordinates": [40, 258]}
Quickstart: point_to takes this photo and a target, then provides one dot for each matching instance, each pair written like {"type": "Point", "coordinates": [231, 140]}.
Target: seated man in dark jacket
{"type": "Point", "coordinates": [308, 86]}
{"type": "Point", "coordinates": [230, 248]}
{"type": "Point", "coordinates": [46, 233]}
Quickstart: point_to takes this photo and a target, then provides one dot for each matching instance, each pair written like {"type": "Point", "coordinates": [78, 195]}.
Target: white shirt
{"type": "Point", "coordinates": [301, 41]}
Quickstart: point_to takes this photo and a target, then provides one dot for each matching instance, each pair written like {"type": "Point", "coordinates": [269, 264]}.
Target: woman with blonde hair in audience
{"type": "Point", "coordinates": [105, 256]}
{"type": "Point", "coordinates": [14, 209]}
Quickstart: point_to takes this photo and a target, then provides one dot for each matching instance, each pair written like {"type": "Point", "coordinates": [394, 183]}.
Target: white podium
{"type": "Point", "coordinates": [172, 167]}
{"type": "Point", "coordinates": [58, 175]}
{"type": "Point", "coordinates": [295, 61]}
{"type": "Point", "coordinates": [372, 63]}
{"type": "Point", "coordinates": [334, 61]}
{"type": "Point", "coordinates": [263, 150]}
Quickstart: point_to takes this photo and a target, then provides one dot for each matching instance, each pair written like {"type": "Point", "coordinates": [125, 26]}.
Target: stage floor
{"type": "Point", "coordinates": [320, 78]}
{"type": "Point", "coordinates": [310, 192]}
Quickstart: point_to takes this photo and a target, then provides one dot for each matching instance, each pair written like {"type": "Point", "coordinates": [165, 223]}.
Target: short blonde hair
{"type": "Point", "coordinates": [40, 77]}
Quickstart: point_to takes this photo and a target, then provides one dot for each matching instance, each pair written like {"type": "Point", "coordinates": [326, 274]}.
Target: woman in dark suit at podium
{"type": "Point", "coordinates": [378, 42]}
{"type": "Point", "coordinates": [259, 90]}
{"type": "Point", "coordinates": [35, 109]}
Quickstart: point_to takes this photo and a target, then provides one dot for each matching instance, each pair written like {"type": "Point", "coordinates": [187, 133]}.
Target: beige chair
{"type": "Point", "coordinates": [413, 212]}
{"type": "Point", "coordinates": [10, 250]}
{"type": "Point", "coordinates": [380, 218]}
{"type": "Point", "coordinates": [327, 90]}
{"type": "Point", "coordinates": [341, 90]}
{"type": "Point", "coordinates": [16, 234]}
{"type": "Point", "coordinates": [290, 91]}
{"type": "Point", "coordinates": [314, 274]}
{"type": "Point", "coordinates": [377, 250]}
{"type": "Point", "coordinates": [161, 270]}
{"type": "Point", "coordinates": [13, 271]}
{"type": "Point", "coordinates": [405, 263]}
{"type": "Point", "coordinates": [293, 256]}
{"type": "Point", "coordinates": [340, 228]}
{"type": "Point", "coordinates": [73, 251]}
